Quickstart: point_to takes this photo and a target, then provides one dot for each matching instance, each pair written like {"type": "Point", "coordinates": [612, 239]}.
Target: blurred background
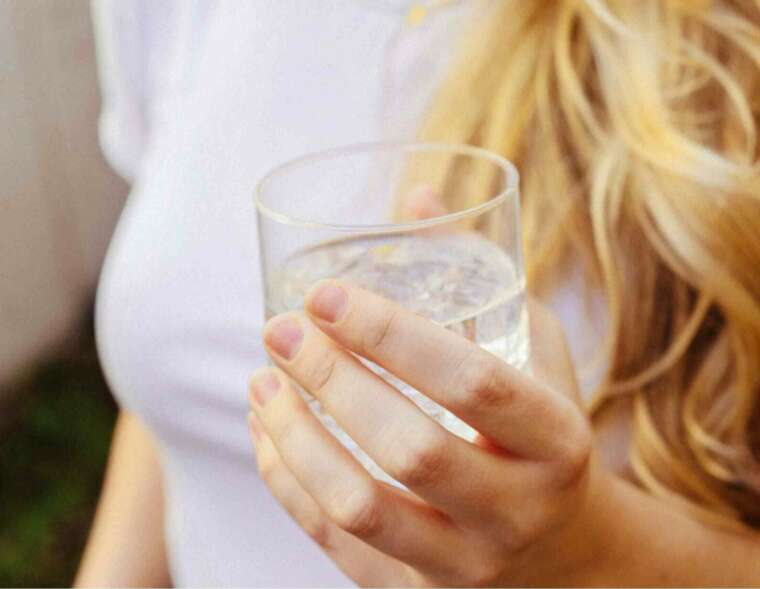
{"type": "Point", "coordinates": [59, 202]}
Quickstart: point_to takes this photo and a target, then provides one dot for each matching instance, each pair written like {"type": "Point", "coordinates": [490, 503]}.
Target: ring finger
{"type": "Point", "coordinates": [360, 561]}
{"type": "Point", "coordinates": [445, 470]}
{"type": "Point", "coordinates": [340, 486]}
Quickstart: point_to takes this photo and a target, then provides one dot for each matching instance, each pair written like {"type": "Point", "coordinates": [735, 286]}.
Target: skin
{"type": "Point", "coordinates": [126, 545]}
{"type": "Point", "coordinates": [527, 503]}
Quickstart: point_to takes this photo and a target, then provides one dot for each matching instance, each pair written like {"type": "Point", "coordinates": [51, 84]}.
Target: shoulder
{"type": "Point", "coordinates": [138, 53]}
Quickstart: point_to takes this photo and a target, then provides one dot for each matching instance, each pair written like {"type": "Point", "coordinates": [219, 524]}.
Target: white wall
{"type": "Point", "coordinates": [58, 198]}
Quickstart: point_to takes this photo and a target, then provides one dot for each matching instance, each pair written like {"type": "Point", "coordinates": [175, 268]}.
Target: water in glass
{"type": "Point", "coordinates": [457, 279]}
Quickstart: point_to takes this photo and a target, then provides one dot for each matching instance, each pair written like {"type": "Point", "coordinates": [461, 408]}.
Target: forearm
{"type": "Point", "coordinates": [651, 543]}
{"type": "Point", "coordinates": [126, 545]}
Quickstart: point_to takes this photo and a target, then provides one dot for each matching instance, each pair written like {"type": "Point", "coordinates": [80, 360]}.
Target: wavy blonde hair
{"type": "Point", "coordinates": [635, 126]}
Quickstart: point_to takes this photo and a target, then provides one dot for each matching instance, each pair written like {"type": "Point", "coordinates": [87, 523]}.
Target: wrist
{"type": "Point", "coordinates": [593, 539]}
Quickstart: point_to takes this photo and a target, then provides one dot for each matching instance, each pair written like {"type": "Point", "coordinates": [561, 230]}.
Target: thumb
{"type": "Point", "coordinates": [423, 202]}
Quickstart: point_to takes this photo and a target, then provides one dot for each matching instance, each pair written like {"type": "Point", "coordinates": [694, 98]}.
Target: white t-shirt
{"type": "Point", "coordinates": [200, 98]}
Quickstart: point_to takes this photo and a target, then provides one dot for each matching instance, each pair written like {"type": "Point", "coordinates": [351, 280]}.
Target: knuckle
{"type": "Point", "coordinates": [529, 526]}
{"type": "Point", "coordinates": [359, 514]}
{"type": "Point", "coordinates": [575, 455]}
{"type": "Point", "coordinates": [322, 371]}
{"type": "Point", "coordinates": [287, 430]}
{"type": "Point", "coordinates": [319, 530]}
{"type": "Point", "coordinates": [519, 532]}
{"type": "Point", "coordinates": [485, 572]}
{"type": "Point", "coordinates": [266, 471]}
{"type": "Point", "coordinates": [268, 464]}
{"type": "Point", "coordinates": [534, 523]}
{"type": "Point", "coordinates": [421, 463]}
{"type": "Point", "coordinates": [478, 382]}
{"type": "Point", "coordinates": [379, 332]}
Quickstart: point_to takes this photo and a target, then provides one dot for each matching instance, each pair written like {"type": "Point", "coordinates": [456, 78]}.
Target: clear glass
{"type": "Point", "coordinates": [355, 213]}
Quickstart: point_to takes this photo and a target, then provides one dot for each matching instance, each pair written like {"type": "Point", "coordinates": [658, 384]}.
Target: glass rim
{"type": "Point", "coordinates": [509, 191]}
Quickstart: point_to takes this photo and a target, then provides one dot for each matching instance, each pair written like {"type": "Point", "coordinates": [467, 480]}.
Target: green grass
{"type": "Point", "coordinates": [54, 437]}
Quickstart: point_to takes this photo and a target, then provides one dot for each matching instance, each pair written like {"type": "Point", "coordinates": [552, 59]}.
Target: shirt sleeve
{"type": "Point", "coordinates": [120, 49]}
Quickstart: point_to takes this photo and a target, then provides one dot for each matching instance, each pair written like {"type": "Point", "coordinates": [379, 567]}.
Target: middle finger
{"type": "Point", "coordinates": [509, 408]}
{"type": "Point", "coordinates": [443, 469]}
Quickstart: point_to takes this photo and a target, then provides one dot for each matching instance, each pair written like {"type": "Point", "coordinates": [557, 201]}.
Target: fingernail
{"type": "Point", "coordinates": [253, 425]}
{"type": "Point", "coordinates": [264, 386]}
{"type": "Point", "coordinates": [283, 336]}
{"type": "Point", "coordinates": [328, 302]}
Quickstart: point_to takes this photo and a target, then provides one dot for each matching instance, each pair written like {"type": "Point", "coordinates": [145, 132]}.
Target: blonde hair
{"type": "Point", "coordinates": [635, 126]}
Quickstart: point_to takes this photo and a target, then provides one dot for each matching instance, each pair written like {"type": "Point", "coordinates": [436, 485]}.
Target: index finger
{"type": "Point", "coordinates": [506, 406]}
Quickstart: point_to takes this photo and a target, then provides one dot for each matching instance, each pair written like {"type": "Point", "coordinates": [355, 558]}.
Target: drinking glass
{"type": "Point", "coordinates": [434, 227]}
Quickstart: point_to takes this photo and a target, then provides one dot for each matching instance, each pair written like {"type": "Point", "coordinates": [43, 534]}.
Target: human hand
{"type": "Point", "coordinates": [515, 507]}
{"type": "Point", "coordinates": [422, 202]}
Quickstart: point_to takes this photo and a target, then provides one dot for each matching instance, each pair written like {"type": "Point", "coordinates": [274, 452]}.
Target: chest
{"type": "Point", "coordinates": [248, 86]}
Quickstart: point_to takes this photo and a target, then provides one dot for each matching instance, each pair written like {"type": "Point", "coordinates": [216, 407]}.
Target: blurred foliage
{"type": "Point", "coordinates": [55, 428]}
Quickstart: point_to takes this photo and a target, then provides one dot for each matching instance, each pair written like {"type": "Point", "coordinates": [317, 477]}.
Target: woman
{"type": "Point", "coordinates": [634, 125]}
